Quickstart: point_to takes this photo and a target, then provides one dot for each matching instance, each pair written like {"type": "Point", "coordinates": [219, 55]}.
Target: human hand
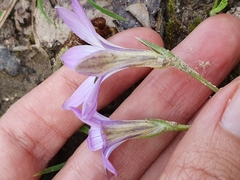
{"type": "Point", "coordinates": [35, 128]}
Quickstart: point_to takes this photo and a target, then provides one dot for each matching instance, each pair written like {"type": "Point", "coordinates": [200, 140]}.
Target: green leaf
{"type": "Point", "coordinates": [157, 49]}
{"type": "Point", "coordinates": [50, 169]}
{"type": "Point", "coordinates": [84, 129]}
{"type": "Point", "coordinates": [40, 6]}
{"type": "Point", "coordinates": [107, 12]}
{"type": "Point", "coordinates": [216, 9]}
{"type": "Point", "coordinates": [215, 4]}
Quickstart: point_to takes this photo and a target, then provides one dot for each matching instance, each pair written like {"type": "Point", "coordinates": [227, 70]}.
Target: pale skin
{"type": "Point", "coordinates": [36, 127]}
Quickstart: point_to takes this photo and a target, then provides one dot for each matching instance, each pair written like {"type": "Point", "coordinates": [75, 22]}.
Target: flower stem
{"type": "Point", "coordinates": [180, 65]}
{"type": "Point", "coordinates": [177, 63]}
{"type": "Point", "coordinates": [179, 127]}
{"type": "Point", "coordinates": [170, 125]}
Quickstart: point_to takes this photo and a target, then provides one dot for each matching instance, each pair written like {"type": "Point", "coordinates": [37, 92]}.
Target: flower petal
{"type": "Point", "coordinates": [106, 151]}
{"type": "Point", "coordinates": [90, 104]}
{"type": "Point", "coordinates": [79, 11]}
{"type": "Point", "coordinates": [77, 112]}
{"type": "Point", "coordinates": [74, 55]}
{"type": "Point", "coordinates": [108, 166]}
{"type": "Point", "coordinates": [99, 117]}
{"type": "Point", "coordinates": [109, 45]}
{"type": "Point", "coordinates": [77, 26]}
{"type": "Point", "coordinates": [94, 139]}
{"type": "Point", "coordinates": [79, 96]}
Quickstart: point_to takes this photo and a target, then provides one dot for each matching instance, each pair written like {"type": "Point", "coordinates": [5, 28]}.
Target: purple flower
{"type": "Point", "coordinates": [101, 58]}
{"type": "Point", "coordinates": [79, 23]}
{"type": "Point", "coordinates": [96, 139]}
{"type": "Point", "coordinates": [86, 95]}
{"type": "Point", "coordinates": [108, 134]}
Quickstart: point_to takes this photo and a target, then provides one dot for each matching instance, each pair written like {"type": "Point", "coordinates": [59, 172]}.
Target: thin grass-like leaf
{"type": "Point", "coordinates": [50, 169]}
{"type": "Point", "coordinates": [84, 129]}
{"type": "Point", "coordinates": [156, 48]}
{"type": "Point", "coordinates": [216, 9]}
{"type": "Point", "coordinates": [40, 6]}
{"type": "Point", "coordinates": [107, 12]}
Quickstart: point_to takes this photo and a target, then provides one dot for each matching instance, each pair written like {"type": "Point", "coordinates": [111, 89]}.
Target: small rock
{"type": "Point", "coordinates": [45, 32]}
{"type": "Point", "coordinates": [140, 12]}
{"type": "Point", "coordinates": [120, 7]}
{"type": "Point", "coordinates": [8, 62]}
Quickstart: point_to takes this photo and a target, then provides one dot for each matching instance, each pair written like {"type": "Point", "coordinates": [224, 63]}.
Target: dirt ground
{"type": "Point", "coordinates": [30, 45]}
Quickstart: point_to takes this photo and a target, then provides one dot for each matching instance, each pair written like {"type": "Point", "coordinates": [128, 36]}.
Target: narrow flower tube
{"type": "Point", "coordinates": [117, 131]}
{"type": "Point", "coordinates": [107, 61]}
{"type": "Point", "coordinates": [108, 134]}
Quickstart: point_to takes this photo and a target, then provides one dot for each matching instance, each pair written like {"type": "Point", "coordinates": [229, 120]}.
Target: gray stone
{"type": "Point", "coordinates": [8, 62]}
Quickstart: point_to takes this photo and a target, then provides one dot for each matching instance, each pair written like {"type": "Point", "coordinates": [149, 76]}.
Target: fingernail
{"type": "Point", "coordinates": [231, 116]}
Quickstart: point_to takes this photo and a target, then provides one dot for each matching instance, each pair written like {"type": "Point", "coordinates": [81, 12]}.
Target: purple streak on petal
{"type": "Point", "coordinates": [79, 96]}
{"type": "Point", "coordinates": [76, 25]}
{"type": "Point", "coordinates": [74, 55]}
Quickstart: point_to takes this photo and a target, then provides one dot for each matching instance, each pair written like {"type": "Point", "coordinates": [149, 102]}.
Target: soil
{"type": "Point", "coordinates": [30, 45]}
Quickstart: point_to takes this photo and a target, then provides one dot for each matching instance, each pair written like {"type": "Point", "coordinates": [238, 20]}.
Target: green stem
{"type": "Point", "coordinates": [177, 63]}
{"type": "Point", "coordinates": [180, 127]}
{"type": "Point", "coordinates": [180, 65]}
{"type": "Point", "coordinates": [172, 126]}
